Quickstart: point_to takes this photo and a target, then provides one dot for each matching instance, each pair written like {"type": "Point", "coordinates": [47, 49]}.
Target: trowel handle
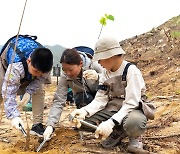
{"type": "Point", "coordinates": [41, 145]}
{"type": "Point", "coordinates": [22, 130]}
{"type": "Point", "coordinates": [88, 124]}
{"type": "Point", "coordinates": [83, 122]}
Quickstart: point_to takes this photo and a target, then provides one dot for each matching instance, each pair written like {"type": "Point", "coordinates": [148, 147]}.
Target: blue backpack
{"type": "Point", "coordinates": [89, 52]}
{"type": "Point", "coordinates": [26, 44]}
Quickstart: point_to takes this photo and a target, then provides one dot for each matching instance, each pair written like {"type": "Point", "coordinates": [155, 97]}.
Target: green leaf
{"type": "Point", "coordinates": [103, 21]}
{"type": "Point", "coordinates": [110, 17]}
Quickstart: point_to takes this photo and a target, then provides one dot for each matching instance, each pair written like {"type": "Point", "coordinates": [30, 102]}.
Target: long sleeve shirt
{"type": "Point", "coordinates": [13, 84]}
{"type": "Point", "coordinates": [133, 91]}
{"type": "Point", "coordinates": [77, 86]}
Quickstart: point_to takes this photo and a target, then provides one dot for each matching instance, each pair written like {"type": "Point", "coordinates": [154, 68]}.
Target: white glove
{"type": "Point", "coordinates": [104, 129]}
{"type": "Point", "coordinates": [78, 114]}
{"type": "Point", "coordinates": [48, 132]}
{"type": "Point", "coordinates": [25, 99]}
{"type": "Point", "coordinates": [16, 121]}
{"type": "Point", "coordinates": [90, 74]}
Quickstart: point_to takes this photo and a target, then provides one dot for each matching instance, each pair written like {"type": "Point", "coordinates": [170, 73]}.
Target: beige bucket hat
{"type": "Point", "coordinates": [107, 47]}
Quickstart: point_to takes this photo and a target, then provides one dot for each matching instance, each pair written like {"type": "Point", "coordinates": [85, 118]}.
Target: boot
{"type": "Point", "coordinates": [136, 146]}
{"type": "Point", "coordinates": [114, 138]}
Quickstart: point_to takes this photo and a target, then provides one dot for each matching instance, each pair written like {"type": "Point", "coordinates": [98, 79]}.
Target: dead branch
{"type": "Point", "coordinates": [87, 151]}
{"type": "Point", "coordinates": [163, 97]}
{"type": "Point", "coordinates": [4, 140]}
{"type": "Point", "coordinates": [155, 126]}
{"type": "Point", "coordinates": [162, 137]}
{"type": "Point", "coordinates": [167, 35]}
{"type": "Point", "coordinates": [28, 133]}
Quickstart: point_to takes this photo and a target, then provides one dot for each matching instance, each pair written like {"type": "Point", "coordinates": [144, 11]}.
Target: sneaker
{"type": "Point", "coordinates": [114, 138]}
{"type": "Point", "coordinates": [136, 146]}
{"type": "Point", "coordinates": [37, 129]}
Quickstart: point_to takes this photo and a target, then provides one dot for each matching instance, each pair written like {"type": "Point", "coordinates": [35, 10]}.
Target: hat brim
{"type": "Point", "coordinates": [108, 54]}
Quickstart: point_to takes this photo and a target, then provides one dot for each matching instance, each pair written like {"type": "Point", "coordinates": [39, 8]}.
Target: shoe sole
{"type": "Point", "coordinates": [35, 134]}
{"type": "Point", "coordinates": [137, 150]}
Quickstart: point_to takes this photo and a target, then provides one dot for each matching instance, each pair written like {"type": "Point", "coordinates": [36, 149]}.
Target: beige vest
{"type": "Point", "coordinates": [116, 94]}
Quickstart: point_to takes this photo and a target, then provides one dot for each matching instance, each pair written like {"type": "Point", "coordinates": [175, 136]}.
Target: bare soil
{"type": "Point", "coordinates": [157, 55]}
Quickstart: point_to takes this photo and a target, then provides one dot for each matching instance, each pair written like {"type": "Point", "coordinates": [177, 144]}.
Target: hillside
{"type": "Point", "coordinates": [57, 52]}
{"type": "Point", "coordinates": [157, 55]}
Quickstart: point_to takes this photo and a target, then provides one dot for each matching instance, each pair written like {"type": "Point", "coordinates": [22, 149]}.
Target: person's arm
{"type": "Point", "coordinates": [35, 84]}
{"type": "Point", "coordinates": [97, 104]}
{"type": "Point", "coordinates": [57, 107]}
{"type": "Point", "coordinates": [97, 67]}
{"type": "Point", "coordinates": [100, 100]}
{"type": "Point", "coordinates": [10, 104]}
{"type": "Point", "coordinates": [58, 102]}
{"type": "Point", "coordinates": [135, 84]}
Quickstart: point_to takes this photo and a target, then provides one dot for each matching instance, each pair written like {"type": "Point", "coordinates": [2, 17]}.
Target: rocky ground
{"type": "Point", "coordinates": [157, 55]}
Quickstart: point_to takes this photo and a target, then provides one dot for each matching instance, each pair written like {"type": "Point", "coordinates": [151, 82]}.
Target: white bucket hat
{"type": "Point", "coordinates": [107, 47]}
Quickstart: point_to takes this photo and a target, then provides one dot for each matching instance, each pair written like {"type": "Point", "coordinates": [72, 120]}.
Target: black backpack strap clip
{"type": "Point", "coordinates": [103, 87]}
{"type": "Point", "coordinates": [125, 71]}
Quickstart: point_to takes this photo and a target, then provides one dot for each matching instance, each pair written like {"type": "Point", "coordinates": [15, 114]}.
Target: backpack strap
{"type": "Point", "coordinates": [33, 37]}
{"type": "Point", "coordinates": [105, 87]}
{"type": "Point", "coordinates": [125, 71]}
{"type": "Point", "coordinates": [18, 52]}
{"type": "Point", "coordinates": [27, 76]}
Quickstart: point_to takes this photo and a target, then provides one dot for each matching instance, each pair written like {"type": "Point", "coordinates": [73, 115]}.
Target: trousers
{"type": "Point", "coordinates": [133, 124]}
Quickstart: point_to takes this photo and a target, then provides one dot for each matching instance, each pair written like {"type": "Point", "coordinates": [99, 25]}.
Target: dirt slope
{"type": "Point", "coordinates": [157, 54]}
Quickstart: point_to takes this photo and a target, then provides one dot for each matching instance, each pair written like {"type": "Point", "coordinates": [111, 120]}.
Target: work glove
{"type": "Point", "coordinates": [78, 114]}
{"type": "Point", "coordinates": [104, 129]}
{"type": "Point", "coordinates": [26, 98]}
{"type": "Point", "coordinates": [47, 133]}
{"type": "Point", "coordinates": [90, 74]}
{"type": "Point", "coordinates": [16, 121]}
